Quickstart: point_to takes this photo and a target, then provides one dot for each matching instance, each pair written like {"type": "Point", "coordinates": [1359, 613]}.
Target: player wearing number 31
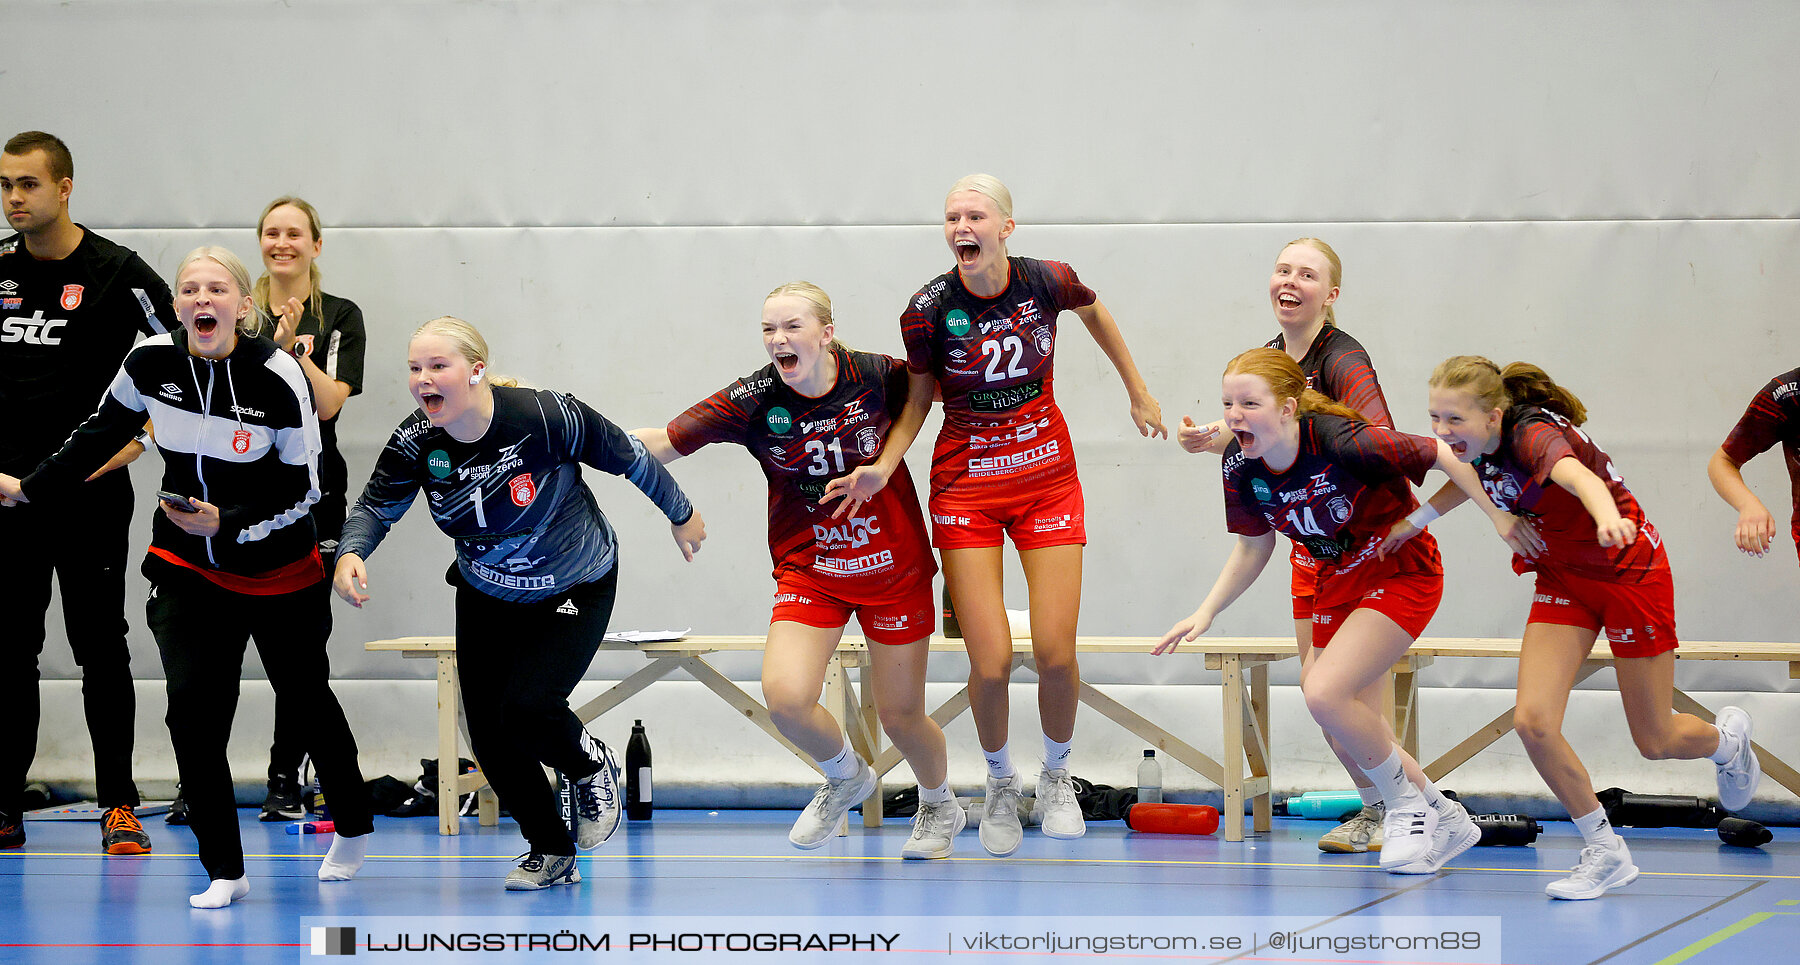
{"type": "Point", "coordinates": [534, 574]}
{"type": "Point", "coordinates": [1602, 564]}
{"type": "Point", "coordinates": [1314, 471]}
{"type": "Point", "coordinates": [828, 426]}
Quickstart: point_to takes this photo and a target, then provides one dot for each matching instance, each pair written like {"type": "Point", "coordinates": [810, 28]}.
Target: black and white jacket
{"type": "Point", "coordinates": [239, 432]}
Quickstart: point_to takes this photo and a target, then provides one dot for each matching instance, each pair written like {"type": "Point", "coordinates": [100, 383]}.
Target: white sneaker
{"type": "Point", "coordinates": [1451, 834]}
{"type": "Point", "coordinates": [1359, 835]}
{"type": "Point", "coordinates": [1739, 776]}
{"type": "Point", "coordinates": [830, 803]}
{"type": "Point", "coordinates": [934, 831]}
{"type": "Point", "coordinates": [539, 871]}
{"type": "Point", "coordinates": [1406, 832]}
{"type": "Point", "coordinates": [596, 798]}
{"type": "Point", "coordinates": [1601, 870]}
{"type": "Point", "coordinates": [1000, 831]}
{"type": "Point", "coordinates": [1058, 811]}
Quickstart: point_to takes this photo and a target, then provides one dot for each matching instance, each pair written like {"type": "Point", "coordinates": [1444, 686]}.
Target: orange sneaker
{"type": "Point", "coordinates": [122, 834]}
{"type": "Point", "coordinates": [12, 831]}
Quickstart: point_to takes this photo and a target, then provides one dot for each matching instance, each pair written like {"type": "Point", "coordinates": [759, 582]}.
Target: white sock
{"type": "Point", "coordinates": [1596, 830]}
{"type": "Point", "coordinates": [1728, 748]}
{"type": "Point", "coordinates": [1056, 753]}
{"type": "Point", "coordinates": [345, 858]}
{"type": "Point", "coordinates": [1000, 765]}
{"type": "Point", "coordinates": [221, 892]}
{"type": "Point", "coordinates": [844, 765]}
{"type": "Point", "coordinates": [936, 795]}
{"type": "Point", "coordinates": [1389, 777]}
{"type": "Point", "coordinates": [1370, 796]}
{"type": "Point", "coordinates": [1433, 796]}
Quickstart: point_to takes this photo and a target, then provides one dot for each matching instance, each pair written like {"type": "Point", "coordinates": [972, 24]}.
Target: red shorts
{"type": "Point", "coordinates": [1054, 518]}
{"type": "Point", "coordinates": [1409, 599]}
{"type": "Point", "coordinates": [1639, 618]}
{"type": "Point", "coordinates": [902, 618]}
{"type": "Point", "coordinates": [1304, 582]}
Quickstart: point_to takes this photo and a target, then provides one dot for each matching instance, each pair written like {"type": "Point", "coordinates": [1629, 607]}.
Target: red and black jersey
{"type": "Point", "coordinates": [1338, 366]}
{"type": "Point", "coordinates": [992, 358]}
{"type": "Point", "coordinates": [1346, 487]}
{"type": "Point", "coordinates": [1773, 416]}
{"type": "Point", "coordinates": [1517, 479]}
{"type": "Point", "coordinates": [803, 443]}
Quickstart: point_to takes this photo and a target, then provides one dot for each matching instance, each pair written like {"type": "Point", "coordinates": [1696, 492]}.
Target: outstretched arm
{"type": "Point", "coordinates": [861, 484]}
{"type": "Point", "coordinates": [1146, 413]}
{"type": "Point", "coordinates": [1241, 569]}
{"type": "Point", "coordinates": [1597, 499]}
{"type": "Point", "coordinates": [1755, 524]}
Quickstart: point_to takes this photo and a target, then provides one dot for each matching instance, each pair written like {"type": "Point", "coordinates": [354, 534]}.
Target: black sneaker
{"type": "Point", "coordinates": [12, 831]}
{"type": "Point", "coordinates": [121, 833]}
{"type": "Point", "coordinates": [178, 810]}
{"type": "Point", "coordinates": [283, 802]}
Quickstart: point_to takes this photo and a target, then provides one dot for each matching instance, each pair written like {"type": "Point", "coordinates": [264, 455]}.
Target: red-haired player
{"type": "Point", "coordinates": [1313, 470]}
{"type": "Point", "coordinates": [1303, 290]}
{"type": "Point", "coordinates": [1602, 565]}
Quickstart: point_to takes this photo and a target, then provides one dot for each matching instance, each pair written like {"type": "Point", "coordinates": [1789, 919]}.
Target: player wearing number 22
{"type": "Point", "coordinates": [1004, 466]}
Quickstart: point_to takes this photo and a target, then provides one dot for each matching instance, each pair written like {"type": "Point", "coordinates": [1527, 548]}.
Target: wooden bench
{"type": "Point", "coordinates": [1243, 772]}
{"type": "Point", "coordinates": [1426, 650]}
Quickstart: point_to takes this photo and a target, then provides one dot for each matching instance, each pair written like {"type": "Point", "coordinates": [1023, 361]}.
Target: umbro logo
{"type": "Point", "coordinates": [171, 390]}
{"type": "Point", "coordinates": [568, 609]}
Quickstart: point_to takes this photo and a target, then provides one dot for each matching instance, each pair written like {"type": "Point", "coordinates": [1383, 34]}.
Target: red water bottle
{"type": "Point", "coordinates": [1173, 818]}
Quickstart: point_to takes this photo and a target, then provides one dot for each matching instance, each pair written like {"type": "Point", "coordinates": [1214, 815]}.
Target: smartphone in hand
{"type": "Point", "coordinates": [181, 503]}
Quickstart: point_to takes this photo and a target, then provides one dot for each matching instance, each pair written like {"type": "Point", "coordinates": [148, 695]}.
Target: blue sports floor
{"type": "Point", "coordinates": [1696, 901]}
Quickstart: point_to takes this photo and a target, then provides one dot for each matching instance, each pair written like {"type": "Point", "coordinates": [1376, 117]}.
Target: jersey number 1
{"type": "Point", "coordinates": [480, 517]}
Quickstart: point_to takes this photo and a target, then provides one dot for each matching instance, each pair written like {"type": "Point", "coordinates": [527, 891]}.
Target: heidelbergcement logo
{"type": "Point", "coordinates": [780, 422]}
{"type": "Point", "coordinates": [439, 463]}
{"type": "Point", "coordinates": [957, 322]}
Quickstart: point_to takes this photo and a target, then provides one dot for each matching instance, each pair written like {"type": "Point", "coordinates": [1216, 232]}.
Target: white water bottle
{"type": "Point", "coordinates": [1149, 779]}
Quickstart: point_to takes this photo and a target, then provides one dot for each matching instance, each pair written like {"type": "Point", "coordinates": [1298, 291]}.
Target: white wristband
{"type": "Point", "coordinates": [1422, 517]}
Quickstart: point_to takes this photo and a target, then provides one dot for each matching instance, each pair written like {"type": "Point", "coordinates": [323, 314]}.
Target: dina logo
{"type": "Point", "coordinates": [333, 941]}
{"type": "Point", "coordinates": [439, 463]}
{"type": "Point", "coordinates": [1261, 490]}
{"type": "Point", "coordinates": [957, 322]}
{"type": "Point", "coordinates": [780, 421]}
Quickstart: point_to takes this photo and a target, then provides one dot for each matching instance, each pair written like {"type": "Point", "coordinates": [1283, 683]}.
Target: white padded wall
{"type": "Point", "coordinates": [1606, 188]}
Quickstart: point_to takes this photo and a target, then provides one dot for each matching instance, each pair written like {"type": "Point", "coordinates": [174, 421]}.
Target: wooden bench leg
{"type": "Point", "coordinates": [864, 711]}
{"type": "Point", "coordinates": [1231, 694]}
{"type": "Point", "coordinates": [447, 698]}
{"type": "Point", "coordinates": [1262, 802]}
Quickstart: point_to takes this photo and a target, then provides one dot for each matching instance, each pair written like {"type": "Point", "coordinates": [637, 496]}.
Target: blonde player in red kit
{"type": "Point", "coordinates": [829, 425]}
{"type": "Point", "coordinates": [1603, 565]}
{"type": "Point", "coordinates": [1004, 467]}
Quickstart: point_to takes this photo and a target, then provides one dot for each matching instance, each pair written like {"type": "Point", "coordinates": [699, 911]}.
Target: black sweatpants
{"type": "Point", "coordinates": [201, 629]}
{"type": "Point", "coordinates": [83, 543]}
{"type": "Point", "coordinates": [518, 663]}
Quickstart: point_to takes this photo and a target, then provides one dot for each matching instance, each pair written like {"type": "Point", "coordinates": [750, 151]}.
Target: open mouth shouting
{"type": "Point", "coordinates": [205, 325]}
{"type": "Point", "coordinates": [787, 362]}
{"type": "Point", "coordinates": [968, 252]}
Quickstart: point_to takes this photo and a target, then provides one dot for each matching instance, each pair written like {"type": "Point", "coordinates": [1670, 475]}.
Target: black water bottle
{"type": "Point", "coordinates": [1506, 830]}
{"type": "Point", "coordinates": [952, 629]}
{"type": "Point", "coordinates": [1744, 834]}
{"type": "Point", "coordinates": [637, 774]}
